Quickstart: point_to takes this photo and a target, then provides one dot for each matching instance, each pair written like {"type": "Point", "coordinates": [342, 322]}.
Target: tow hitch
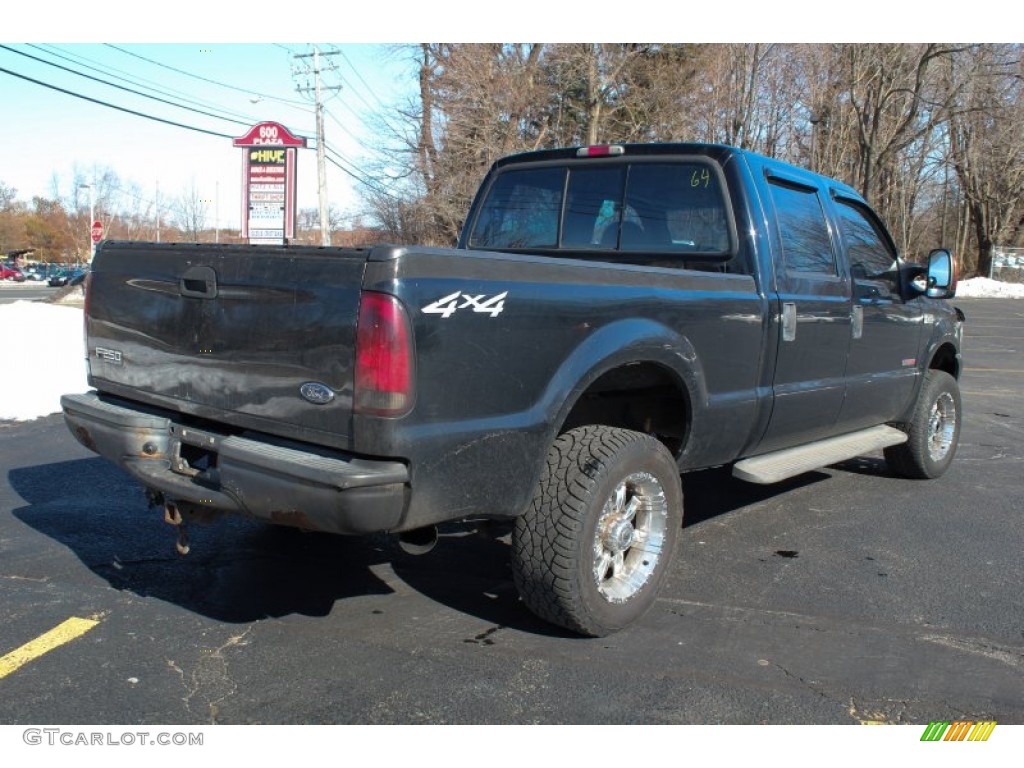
{"type": "Point", "coordinates": [173, 517]}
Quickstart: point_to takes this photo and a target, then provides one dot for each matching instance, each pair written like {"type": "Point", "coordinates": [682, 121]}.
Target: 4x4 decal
{"type": "Point", "coordinates": [449, 305]}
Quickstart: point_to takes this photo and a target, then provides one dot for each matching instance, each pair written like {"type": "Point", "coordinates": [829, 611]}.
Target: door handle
{"type": "Point", "coordinates": [789, 321]}
{"type": "Point", "coordinates": [199, 283]}
{"type": "Point", "coordinates": [857, 316]}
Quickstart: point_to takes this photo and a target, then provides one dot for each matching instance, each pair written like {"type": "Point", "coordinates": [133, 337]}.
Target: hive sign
{"type": "Point", "coordinates": [268, 197]}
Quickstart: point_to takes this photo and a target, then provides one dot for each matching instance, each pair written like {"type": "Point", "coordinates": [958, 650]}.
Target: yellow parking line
{"type": "Point", "coordinates": [63, 633]}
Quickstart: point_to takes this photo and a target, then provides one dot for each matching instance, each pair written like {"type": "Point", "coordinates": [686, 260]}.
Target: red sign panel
{"type": "Point", "coordinates": [97, 231]}
{"type": "Point", "coordinates": [269, 133]}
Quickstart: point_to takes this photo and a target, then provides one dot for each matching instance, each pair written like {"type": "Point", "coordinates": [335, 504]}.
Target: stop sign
{"type": "Point", "coordinates": [97, 231]}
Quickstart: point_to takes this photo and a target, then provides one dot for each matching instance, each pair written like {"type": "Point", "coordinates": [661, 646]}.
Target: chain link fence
{"type": "Point", "coordinates": [1007, 265]}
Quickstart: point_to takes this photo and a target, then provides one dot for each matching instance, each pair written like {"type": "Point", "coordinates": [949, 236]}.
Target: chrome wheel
{"type": "Point", "coordinates": [941, 427]}
{"type": "Point", "coordinates": [630, 536]}
{"type": "Point", "coordinates": [597, 541]}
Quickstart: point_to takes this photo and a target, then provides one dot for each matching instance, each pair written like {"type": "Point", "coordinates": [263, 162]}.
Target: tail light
{"type": "Point", "coordinates": [384, 375]}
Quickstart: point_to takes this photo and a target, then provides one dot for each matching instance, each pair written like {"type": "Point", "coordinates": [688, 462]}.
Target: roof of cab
{"type": "Point", "coordinates": [718, 152]}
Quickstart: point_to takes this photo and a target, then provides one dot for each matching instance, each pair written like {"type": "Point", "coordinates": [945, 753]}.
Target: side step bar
{"type": "Point", "coordinates": [781, 465]}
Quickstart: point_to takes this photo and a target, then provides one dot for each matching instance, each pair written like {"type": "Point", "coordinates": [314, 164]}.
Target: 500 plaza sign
{"type": "Point", "coordinates": [268, 195]}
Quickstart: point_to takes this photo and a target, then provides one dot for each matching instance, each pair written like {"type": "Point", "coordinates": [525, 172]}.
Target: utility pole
{"type": "Point", "coordinates": [321, 170]}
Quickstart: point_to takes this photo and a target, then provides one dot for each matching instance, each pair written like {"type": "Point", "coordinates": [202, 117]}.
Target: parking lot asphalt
{"type": "Point", "coordinates": [843, 596]}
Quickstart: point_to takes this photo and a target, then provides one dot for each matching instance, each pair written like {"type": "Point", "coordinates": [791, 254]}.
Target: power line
{"type": "Point", "coordinates": [381, 108]}
{"type": "Point", "coordinates": [366, 85]}
{"type": "Point", "coordinates": [141, 82]}
{"type": "Point", "coordinates": [364, 181]}
{"type": "Point", "coordinates": [123, 88]}
{"type": "Point", "coordinates": [358, 175]}
{"type": "Point", "coordinates": [115, 106]}
{"type": "Point", "coordinates": [243, 119]}
{"type": "Point", "coordinates": [347, 130]}
{"type": "Point", "coordinates": [248, 91]}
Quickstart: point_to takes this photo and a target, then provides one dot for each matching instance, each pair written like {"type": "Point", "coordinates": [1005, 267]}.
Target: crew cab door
{"type": "Point", "coordinates": [814, 315]}
{"type": "Point", "coordinates": [882, 365]}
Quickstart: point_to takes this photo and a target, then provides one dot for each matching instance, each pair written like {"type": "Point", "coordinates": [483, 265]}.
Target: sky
{"type": "Point", "coordinates": [56, 137]}
{"type": "Point", "coordinates": [250, 76]}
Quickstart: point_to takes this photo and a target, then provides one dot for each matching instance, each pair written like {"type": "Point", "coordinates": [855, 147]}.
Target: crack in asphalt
{"type": "Point", "coordinates": [210, 680]}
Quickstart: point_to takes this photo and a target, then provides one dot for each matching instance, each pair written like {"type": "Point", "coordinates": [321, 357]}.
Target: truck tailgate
{"type": "Point", "coordinates": [231, 333]}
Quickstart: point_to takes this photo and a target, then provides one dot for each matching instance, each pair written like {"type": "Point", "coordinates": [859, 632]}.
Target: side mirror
{"type": "Point", "coordinates": [939, 281]}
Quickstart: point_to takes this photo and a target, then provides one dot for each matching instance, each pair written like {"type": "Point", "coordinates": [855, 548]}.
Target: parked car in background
{"type": "Point", "coordinates": [7, 272]}
{"type": "Point", "coordinates": [66, 276]}
{"type": "Point", "coordinates": [36, 274]}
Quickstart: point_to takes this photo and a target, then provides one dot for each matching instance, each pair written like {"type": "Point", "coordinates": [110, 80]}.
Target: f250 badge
{"type": "Point", "coordinates": [449, 305]}
{"type": "Point", "coordinates": [112, 356]}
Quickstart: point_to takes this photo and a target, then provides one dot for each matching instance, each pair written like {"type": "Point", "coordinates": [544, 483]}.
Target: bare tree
{"type": "Point", "coordinates": [890, 120]}
{"type": "Point", "coordinates": [874, 118]}
{"type": "Point", "coordinates": [12, 225]}
{"type": "Point", "coordinates": [473, 106]}
{"type": "Point", "coordinates": [986, 136]}
{"type": "Point", "coordinates": [188, 213]}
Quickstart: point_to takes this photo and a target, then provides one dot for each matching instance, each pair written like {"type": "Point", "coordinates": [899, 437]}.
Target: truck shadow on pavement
{"type": "Point", "coordinates": [713, 492]}
{"type": "Point", "coordinates": [240, 571]}
{"type": "Point", "coordinates": [237, 570]}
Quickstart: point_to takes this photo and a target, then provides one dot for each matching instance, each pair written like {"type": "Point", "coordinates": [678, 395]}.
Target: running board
{"type": "Point", "coordinates": [781, 465]}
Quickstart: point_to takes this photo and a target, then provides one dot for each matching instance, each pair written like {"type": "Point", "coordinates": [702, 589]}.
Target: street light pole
{"type": "Point", "coordinates": [92, 218]}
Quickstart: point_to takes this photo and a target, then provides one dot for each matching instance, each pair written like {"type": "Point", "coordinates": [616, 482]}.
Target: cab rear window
{"type": "Point", "coordinates": [640, 207]}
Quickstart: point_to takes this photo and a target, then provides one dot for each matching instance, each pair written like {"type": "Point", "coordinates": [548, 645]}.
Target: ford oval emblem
{"type": "Point", "coordinates": [316, 393]}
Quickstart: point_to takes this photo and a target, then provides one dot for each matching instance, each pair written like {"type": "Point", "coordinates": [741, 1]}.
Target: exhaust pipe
{"type": "Point", "coordinates": [418, 541]}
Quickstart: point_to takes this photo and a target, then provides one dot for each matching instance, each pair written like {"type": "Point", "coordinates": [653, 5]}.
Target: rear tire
{"type": "Point", "coordinates": [933, 430]}
{"type": "Point", "coordinates": [595, 545]}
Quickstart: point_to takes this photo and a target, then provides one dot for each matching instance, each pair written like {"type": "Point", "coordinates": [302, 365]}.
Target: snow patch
{"type": "Point", "coordinates": [984, 288]}
{"type": "Point", "coordinates": [44, 358]}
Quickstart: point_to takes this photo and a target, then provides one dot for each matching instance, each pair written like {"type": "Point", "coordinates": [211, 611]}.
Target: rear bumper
{"type": "Point", "coordinates": [325, 491]}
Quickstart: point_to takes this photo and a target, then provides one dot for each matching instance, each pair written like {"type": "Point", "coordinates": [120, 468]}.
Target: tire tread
{"type": "Point", "coordinates": [546, 547]}
{"type": "Point", "coordinates": [911, 459]}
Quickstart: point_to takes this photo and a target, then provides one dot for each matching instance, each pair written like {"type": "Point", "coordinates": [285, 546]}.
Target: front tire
{"type": "Point", "coordinates": [933, 430]}
{"type": "Point", "coordinates": [595, 545]}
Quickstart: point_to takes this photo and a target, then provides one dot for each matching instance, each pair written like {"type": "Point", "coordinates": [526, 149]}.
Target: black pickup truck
{"type": "Point", "coordinates": [612, 316]}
